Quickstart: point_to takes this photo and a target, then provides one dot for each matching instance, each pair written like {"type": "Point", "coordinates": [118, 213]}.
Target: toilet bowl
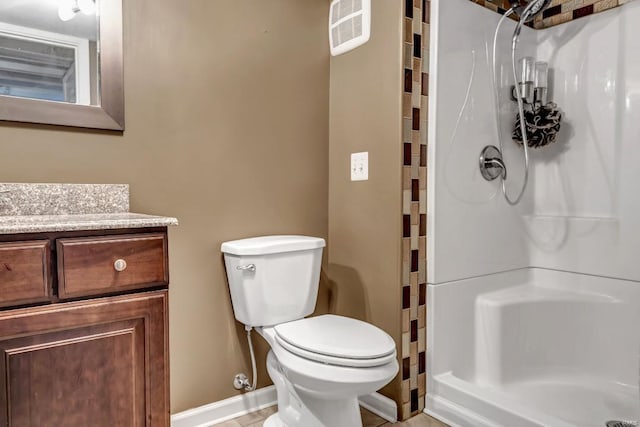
{"type": "Point", "coordinates": [314, 373]}
{"type": "Point", "coordinates": [319, 365]}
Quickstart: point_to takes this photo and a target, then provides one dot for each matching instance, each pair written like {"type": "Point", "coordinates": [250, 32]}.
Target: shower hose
{"type": "Point", "coordinates": [525, 142]}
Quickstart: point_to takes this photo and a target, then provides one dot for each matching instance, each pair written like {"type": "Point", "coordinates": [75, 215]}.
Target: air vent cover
{"type": "Point", "coordinates": [349, 25]}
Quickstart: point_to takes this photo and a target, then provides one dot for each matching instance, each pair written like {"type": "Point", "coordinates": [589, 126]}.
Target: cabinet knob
{"type": "Point", "coordinates": [120, 265]}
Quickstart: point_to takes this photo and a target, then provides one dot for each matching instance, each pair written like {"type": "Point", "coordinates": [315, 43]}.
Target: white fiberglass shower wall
{"type": "Point", "coordinates": [534, 310]}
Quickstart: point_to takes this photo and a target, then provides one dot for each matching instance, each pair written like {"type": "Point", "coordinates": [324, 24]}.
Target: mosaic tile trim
{"type": "Point", "coordinates": [559, 11]}
{"type": "Point", "coordinates": [500, 6]}
{"type": "Point", "coordinates": [414, 206]}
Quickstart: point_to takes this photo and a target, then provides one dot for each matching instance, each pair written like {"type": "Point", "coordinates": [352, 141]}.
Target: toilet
{"type": "Point", "coordinates": [319, 365]}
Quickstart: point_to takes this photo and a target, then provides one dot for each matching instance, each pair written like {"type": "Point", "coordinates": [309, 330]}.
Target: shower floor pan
{"type": "Point", "coordinates": [532, 348]}
{"type": "Point", "coordinates": [550, 403]}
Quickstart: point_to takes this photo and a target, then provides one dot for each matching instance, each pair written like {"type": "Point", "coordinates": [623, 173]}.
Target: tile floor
{"type": "Point", "coordinates": [255, 419]}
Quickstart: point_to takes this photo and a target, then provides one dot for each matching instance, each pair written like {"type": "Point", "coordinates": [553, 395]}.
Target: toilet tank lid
{"type": "Point", "coordinates": [271, 245]}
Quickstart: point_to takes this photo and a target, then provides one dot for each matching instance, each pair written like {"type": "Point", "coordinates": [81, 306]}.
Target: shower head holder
{"type": "Point", "coordinates": [529, 9]}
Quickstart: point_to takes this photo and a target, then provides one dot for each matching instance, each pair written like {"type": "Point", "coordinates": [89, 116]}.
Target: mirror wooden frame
{"type": "Point", "coordinates": [110, 113]}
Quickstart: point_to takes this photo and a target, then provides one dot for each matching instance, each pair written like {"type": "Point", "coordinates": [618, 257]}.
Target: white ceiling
{"type": "Point", "coordinates": [43, 15]}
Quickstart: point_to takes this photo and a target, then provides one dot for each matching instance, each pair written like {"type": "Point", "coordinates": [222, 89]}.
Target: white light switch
{"type": "Point", "coordinates": [360, 166]}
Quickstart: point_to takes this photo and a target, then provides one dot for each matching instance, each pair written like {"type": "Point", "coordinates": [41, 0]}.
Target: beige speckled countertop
{"type": "Point", "coordinates": [35, 208]}
{"type": "Point", "coordinates": [47, 223]}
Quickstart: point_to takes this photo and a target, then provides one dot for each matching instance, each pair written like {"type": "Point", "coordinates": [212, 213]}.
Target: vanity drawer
{"type": "Point", "coordinates": [99, 265]}
{"type": "Point", "coordinates": [25, 276]}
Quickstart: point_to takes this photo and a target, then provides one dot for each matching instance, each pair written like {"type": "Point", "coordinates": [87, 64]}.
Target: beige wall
{"type": "Point", "coordinates": [365, 218]}
{"type": "Point", "coordinates": [226, 129]}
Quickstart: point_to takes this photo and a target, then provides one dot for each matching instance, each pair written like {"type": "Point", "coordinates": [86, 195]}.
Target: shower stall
{"type": "Point", "coordinates": [533, 309]}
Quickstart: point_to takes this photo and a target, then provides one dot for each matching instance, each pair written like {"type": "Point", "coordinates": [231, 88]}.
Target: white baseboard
{"type": "Point", "coordinates": [380, 405]}
{"type": "Point", "coordinates": [223, 410]}
{"type": "Point", "coordinates": [227, 409]}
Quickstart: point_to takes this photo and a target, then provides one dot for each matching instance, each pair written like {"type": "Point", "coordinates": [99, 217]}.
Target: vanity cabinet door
{"type": "Point", "coordinates": [102, 362]}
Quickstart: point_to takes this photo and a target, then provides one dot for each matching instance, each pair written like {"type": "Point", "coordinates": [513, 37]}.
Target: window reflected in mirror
{"type": "Point", "coordinates": [49, 50]}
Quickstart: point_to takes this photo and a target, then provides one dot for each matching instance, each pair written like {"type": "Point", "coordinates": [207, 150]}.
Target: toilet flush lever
{"type": "Point", "coordinates": [248, 267]}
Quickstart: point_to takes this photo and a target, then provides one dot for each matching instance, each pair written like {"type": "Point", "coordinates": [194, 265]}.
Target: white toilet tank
{"type": "Point", "coordinates": [273, 279]}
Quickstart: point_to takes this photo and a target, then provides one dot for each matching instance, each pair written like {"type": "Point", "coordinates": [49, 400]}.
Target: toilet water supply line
{"type": "Point", "coordinates": [240, 381]}
{"type": "Point", "coordinates": [254, 373]}
{"type": "Point", "coordinates": [525, 142]}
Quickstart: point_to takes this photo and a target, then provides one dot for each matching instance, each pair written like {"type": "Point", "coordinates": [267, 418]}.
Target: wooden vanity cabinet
{"type": "Point", "coordinates": [101, 359]}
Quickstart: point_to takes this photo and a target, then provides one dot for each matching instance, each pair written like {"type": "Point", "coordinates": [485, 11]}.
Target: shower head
{"type": "Point", "coordinates": [528, 9]}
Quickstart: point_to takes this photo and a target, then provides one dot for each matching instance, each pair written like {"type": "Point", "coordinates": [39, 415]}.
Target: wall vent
{"type": "Point", "coordinates": [349, 25]}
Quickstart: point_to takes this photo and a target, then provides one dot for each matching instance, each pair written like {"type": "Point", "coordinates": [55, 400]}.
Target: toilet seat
{"type": "Point", "coordinates": [324, 379]}
{"type": "Point", "coordinates": [337, 340]}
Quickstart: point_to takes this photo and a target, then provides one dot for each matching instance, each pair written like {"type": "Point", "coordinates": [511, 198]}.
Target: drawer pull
{"type": "Point", "coordinates": [120, 265]}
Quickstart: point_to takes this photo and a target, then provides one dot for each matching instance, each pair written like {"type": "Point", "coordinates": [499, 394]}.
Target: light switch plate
{"type": "Point", "coordinates": [360, 166]}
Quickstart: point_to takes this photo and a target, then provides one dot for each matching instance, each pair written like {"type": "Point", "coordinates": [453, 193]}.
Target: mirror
{"type": "Point", "coordinates": [61, 62]}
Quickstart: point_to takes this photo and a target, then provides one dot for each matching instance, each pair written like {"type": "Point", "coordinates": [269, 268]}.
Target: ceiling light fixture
{"type": "Point", "coordinates": [67, 9]}
{"type": "Point", "coordinates": [88, 7]}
